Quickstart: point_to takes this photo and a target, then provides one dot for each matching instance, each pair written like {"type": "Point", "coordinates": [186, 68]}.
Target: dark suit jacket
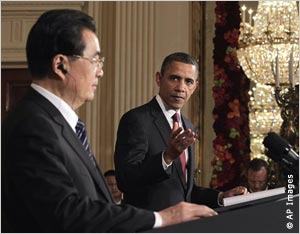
{"type": "Point", "coordinates": [142, 137]}
{"type": "Point", "coordinates": [48, 182]}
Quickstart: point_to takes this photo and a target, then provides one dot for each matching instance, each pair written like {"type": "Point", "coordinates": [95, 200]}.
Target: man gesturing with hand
{"type": "Point", "coordinates": [154, 154]}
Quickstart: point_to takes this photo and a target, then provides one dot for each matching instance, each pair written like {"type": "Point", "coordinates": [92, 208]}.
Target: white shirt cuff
{"type": "Point", "coordinates": [220, 199]}
{"type": "Point", "coordinates": [158, 220]}
{"type": "Point", "coordinates": [164, 164]}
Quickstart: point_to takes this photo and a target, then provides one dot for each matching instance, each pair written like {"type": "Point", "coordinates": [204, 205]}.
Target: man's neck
{"type": "Point", "coordinates": [166, 106]}
{"type": "Point", "coordinates": [58, 89]}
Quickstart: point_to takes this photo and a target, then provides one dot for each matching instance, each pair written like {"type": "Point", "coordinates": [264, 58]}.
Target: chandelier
{"type": "Point", "coordinates": [269, 49]}
{"type": "Point", "coordinates": [269, 56]}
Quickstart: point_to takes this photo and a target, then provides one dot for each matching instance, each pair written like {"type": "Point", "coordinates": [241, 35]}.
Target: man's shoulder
{"type": "Point", "coordinates": [144, 108]}
{"type": "Point", "coordinates": [24, 107]}
{"type": "Point", "coordinates": [30, 112]}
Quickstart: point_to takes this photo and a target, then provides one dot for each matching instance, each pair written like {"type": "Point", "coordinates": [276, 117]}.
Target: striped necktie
{"type": "Point", "coordinates": [81, 133]}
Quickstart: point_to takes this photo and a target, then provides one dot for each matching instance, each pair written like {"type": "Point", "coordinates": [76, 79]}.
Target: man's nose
{"type": "Point", "coordinates": [180, 85]}
{"type": "Point", "coordinates": [257, 185]}
{"type": "Point", "coordinates": [100, 73]}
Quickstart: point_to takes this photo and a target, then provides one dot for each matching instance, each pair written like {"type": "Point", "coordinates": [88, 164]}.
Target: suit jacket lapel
{"type": "Point", "coordinates": [191, 161]}
{"type": "Point", "coordinates": [73, 140]}
{"type": "Point", "coordinates": [164, 129]}
{"type": "Point", "coordinates": [96, 173]}
{"type": "Point", "coordinates": [160, 121]}
{"type": "Point", "coordinates": [180, 172]}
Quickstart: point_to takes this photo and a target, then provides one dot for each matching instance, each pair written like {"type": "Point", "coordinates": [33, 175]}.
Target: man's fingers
{"type": "Point", "coordinates": [186, 138]}
{"type": "Point", "coordinates": [203, 211]}
{"type": "Point", "coordinates": [184, 211]}
{"type": "Point", "coordinates": [179, 140]}
{"type": "Point", "coordinates": [175, 126]}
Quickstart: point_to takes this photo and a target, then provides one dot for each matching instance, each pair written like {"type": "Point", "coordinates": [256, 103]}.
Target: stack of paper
{"type": "Point", "coordinates": [228, 201]}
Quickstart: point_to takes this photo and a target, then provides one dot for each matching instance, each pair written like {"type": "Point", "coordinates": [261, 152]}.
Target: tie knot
{"type": "Point", "coordinates": [176, 117]}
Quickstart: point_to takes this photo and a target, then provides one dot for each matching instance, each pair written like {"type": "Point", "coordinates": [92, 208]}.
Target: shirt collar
{"type": "Point", "coordinates": [168, 112]}
{"type": "Point", "coordinates": [67, 112]}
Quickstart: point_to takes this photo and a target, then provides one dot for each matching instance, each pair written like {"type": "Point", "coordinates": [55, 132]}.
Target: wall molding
{"type": "Point", "coordinates": [17, 18]}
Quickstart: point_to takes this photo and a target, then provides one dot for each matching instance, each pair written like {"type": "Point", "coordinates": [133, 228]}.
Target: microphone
{"type": "Point", "coordinates": [280, 150]}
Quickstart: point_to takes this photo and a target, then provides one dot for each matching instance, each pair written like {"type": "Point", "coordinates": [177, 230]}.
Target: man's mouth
{"type": "Point", "coordinates": [178, 98]}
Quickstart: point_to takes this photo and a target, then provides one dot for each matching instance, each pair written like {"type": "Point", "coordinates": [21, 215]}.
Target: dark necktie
{"type": "Point", "coordinates": [182, 155]}
{"type": "Point", "coordinates": [81, 133]}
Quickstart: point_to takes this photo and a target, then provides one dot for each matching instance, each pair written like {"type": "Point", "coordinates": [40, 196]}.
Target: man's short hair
{"type": "Point", "coordinates": [256, 164]}
{"type": "Point", "coordinates": [110, 173]}
{"type": "Point", "coordinates": [56, 32]}
{"type": "Point", "coordinates": [178, 57]}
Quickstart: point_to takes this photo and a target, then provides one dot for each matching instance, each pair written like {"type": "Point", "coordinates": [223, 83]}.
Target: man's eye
{"type": "Point", "coordinates": [189, 81]}
{"type": "Point", "coordinates": [174, 77]}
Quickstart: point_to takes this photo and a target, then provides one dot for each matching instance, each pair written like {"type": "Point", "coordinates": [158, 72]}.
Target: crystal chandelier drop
{"type": "Point", "coordinates": [265, 114]}
{"type": "Point", "coordinates": [270, 47]}
{"type": "Point", "coordinates": [264, 117]}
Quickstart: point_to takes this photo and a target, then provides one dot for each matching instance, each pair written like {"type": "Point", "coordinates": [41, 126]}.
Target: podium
{"type": "Point", "coordinates": [262, 216]}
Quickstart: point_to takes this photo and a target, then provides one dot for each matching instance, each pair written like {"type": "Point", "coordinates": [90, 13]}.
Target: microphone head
{"type": "Point", "coordinates": [276, 144]}
{"type": "Point", "coordinates": [274, 157]}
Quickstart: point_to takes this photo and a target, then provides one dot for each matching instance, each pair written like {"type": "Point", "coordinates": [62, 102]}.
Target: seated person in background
{"type": "Point", "coordinates": [257, 175]}
{"type": "Point", "coordinates": [110, 177]}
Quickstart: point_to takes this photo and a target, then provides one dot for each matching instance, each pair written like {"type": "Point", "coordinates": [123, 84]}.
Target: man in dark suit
{"type": "Point", "coordinates": [50, 179]}
{"type": "Point", "coordinates": [154, 154]}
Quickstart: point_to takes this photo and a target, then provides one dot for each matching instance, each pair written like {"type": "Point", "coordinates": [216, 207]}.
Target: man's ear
{"type": "Point", "coordinates": [63, 70]}
{"type": "Point", "coordinates": [158, 78]}
{"type": "Point", "coordinates": [197, 83]}
{"type": "Point", "coordinates": [60, 65]}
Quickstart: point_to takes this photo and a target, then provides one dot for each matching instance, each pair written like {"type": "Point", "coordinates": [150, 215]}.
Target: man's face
{"type": "Point", "coordinates": [178, 84]}
{"type": "Point", "coordinates": [84, 73]}
{"type": "Point", "coordinates": [257, 180]}
{"type": "Point", "coordinates": [112, 184]}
